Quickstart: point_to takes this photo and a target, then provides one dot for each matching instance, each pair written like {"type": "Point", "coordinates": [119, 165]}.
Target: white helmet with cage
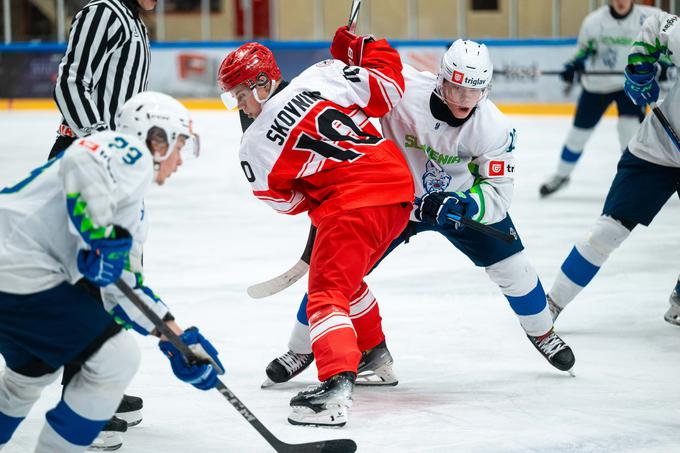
{"type": "Point", "coordinates": [152, 116]}
{"type": "Point", "coordinates": [465, 73]}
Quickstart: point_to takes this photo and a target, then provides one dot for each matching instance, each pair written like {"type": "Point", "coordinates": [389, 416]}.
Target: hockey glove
{"type": "Point", "coordinates": [348, 47]}
{"type": "Point", "coordinates": [203, 375]}
{"type": "Point", "coordinates": [570, 70]}
{"type": "Point", "coordinates": [434, 207]}
{"type": "Point", "coordinates": [640, 85]}
{"type": "Point", "coordinates": [103, 264]}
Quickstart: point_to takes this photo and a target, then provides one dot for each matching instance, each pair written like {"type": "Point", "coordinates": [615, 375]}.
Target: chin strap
{"type": "Point", "coordinates": [272, 88]}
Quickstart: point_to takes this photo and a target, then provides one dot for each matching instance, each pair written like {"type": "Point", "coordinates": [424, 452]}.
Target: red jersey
{"type": "Point", "coordinates": [313, 148]}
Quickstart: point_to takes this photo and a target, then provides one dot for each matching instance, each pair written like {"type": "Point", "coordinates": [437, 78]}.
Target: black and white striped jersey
{"type": "Point", "coordinates": [106, 63]}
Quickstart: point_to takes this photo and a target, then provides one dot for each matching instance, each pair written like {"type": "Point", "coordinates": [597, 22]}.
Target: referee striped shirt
{"type": "Point", "coordinates": [106, 63]}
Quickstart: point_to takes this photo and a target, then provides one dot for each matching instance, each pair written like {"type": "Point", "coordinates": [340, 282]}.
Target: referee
{"type": "Point", "coordinates": [106, 63]}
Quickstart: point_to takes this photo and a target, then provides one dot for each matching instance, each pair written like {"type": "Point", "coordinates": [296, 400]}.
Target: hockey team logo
{"type": "Point", "coordinates": [457, 77]}
{"type": "Point", "coordinates": [496, 168]}
{"type": "Point", "coordinates": [435, 179]}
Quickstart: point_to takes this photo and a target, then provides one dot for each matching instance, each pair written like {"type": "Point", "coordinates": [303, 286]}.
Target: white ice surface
{"type": "Point", "coordinates": [469, 379]}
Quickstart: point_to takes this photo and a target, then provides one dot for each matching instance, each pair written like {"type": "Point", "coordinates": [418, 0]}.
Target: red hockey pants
{"type": "Point", "coordinates": [347, 246]}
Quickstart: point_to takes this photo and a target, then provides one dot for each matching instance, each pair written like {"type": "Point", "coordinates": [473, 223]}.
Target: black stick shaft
{"type": "Point", "coordinates": [666, 125]}
{"type": "Point", "coordinates": [485, 229]}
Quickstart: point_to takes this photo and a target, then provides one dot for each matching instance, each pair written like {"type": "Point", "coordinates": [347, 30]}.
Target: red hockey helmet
{"type": "Point", "coordinates": [252, 64]}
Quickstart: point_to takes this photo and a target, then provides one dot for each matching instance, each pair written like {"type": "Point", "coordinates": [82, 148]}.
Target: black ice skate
{"type": "Point", "coordinates": [110, 438]}
{"type": "Point", "coordinates": [130, 410]}
{"type": "Point", "coordinates": [375, 367]}
{"type": "Point", "coordinates": [553, 185]}
{"type": "Point", "coordinates": [556, 351]}
{"type": "Point", "coordinates": [286, 367]}
{"type": "Point", "coordinates": [673, 313]}
{"type": "Point", "coordinates": [324, 404]}
{"type": "Point", "coordinates": [555, 309]}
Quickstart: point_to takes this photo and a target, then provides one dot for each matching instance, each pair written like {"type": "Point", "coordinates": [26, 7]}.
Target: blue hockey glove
{"type": "Point", "coordinates": [640, 85]}
{"type": "Point", "coordinates": [570, 70]}
{"type": "Point", "coordinates": [104, 262]}
{"type": "Point", "coordinates": [203, 376]}
{"type": "Point", "coordinates": [434, 206]}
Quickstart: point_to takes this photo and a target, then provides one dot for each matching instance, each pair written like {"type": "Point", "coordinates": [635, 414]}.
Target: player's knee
{"type": "Point", "coordinates": [115, 363]}
{"type": "Point", "coordinates": [606, 235]}
{"type": "Point", "coordinates": [515, 275]}
{"type": "Point", "coordinates": [577, 138]}
{"type": "Point", "coordinates": [20, 391]}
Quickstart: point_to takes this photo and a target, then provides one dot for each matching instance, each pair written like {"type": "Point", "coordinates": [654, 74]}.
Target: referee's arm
{"type": "Point", "coordinates": [96, 31]}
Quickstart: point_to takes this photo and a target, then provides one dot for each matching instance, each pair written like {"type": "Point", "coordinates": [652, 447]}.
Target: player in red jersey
{"type": "Point", "coordinates": [312, 148]}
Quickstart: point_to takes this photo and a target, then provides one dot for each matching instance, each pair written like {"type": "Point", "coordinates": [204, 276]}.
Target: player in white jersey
{"type": "Point", "coordinates": [460, 150]}
{"type": "Point", "coordinates": [82, 215]}
{"type": "Point", "coordinates": [648, 172]}
{"type": "Point", "coordinates": [603, 44]}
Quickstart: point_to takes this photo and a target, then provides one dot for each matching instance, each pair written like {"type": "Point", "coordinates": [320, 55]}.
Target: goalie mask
{"type": "Point", "coordinates": [251, 64]}
{"type": "Point", "coordinates": [158, 118]}
{"type": "Point", "coordinates": [464, 77]}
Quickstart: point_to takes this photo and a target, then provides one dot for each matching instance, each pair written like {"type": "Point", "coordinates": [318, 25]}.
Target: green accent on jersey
{"type": "Point", "coordinates": [584, 52]}
{"type": "Point", "coordinates": [477, 189]}
{"type": "Point", "coordinates": [617, 41]}
{"type": "Point", "coordinates": [84, 225]}
{"type": "Point", "coordinates": [411, 141]}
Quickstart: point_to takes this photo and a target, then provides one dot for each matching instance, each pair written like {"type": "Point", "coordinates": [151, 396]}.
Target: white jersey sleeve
{"type": "Point", "coordinates": [659, 38]}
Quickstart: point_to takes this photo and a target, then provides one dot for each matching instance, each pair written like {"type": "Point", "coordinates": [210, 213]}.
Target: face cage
{"type": "Point", "coordinates": [231, 102]}
{"type": "Point", "coordinates": [459, 95]}
{"type": "Point", "coordinates": [190, 150]}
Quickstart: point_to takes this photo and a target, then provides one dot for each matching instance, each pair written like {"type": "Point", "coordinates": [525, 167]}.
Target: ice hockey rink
{"type": "Point", "coordinates": [470, 381]}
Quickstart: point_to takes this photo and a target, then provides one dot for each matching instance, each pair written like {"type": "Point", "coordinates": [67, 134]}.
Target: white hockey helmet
{"type": "Point", "coordinates": [465, 73]}
{"type": "Point", "coordinates": [152, 115]}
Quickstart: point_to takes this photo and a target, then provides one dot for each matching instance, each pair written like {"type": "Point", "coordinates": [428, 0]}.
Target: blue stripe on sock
{"type": "Point", "coordinates": [7, 427]}
{"type": "Point", "coordinates": [76, 429]}
{"type": "Point", "coordinates": [569, 155]}
{"type": "Point", "coordinates": [302, 311]}
{"type": "Point", "coordinates": [578, 269]}
{"type": "Point", "coordinates": [529, 304]}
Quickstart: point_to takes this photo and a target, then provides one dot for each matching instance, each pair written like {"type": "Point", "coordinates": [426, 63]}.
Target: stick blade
{"type": "Point", "coordinates": [279, 283]}
{"type": "Point", "coordinates": [324, 446]}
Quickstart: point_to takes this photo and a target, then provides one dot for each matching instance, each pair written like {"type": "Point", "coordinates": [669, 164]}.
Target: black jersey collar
{"type": "Point", "coordinates": [442, 112]}
{"type": "Point", "coordinates": [618, 16]}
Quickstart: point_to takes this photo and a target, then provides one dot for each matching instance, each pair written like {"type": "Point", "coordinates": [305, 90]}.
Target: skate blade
{"type": "Point", "coordinates": [106, 441]}
{"type": "Point", "coordinates": [132, 418]}
{"type": "Point", "coordinates": [672, 316]}
{"type": "Point", "coordinates": [571, 372]}
{"type": "Point", "coordinates": [381, 376]}
{"type": "Point", "coordinates": [333, 417]}
{"type": "Point", "coordinates": [267, 383]}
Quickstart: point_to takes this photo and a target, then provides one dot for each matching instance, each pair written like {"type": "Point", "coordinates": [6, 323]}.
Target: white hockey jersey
{"type": "Point", "coordinates": [660, 36]}
{"type": "Point", "coordinates": [475, 156]}
{"type": "Point", "coordinates": [46, 218]}
{"type": "Point", "coordinates": [606, 41]}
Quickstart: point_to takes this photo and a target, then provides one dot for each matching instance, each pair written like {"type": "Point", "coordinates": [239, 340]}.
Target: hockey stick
{"type": "Point", "coordinates": [484, 229]}
{"type": "Point", "coordinates": [535, 72]}
{"type": "Point", "coordinates": [353, 15]}
{"type": "Point", "coordinates": [283, 281]}
{"type": "Point", "coordinates": [322, 446]}
{"type": "Point", "coordinates": [666, 125]}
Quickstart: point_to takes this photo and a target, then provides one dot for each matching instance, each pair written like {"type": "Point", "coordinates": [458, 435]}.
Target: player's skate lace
{"type": "Point", "coordinates": [555, 350]}
{"type": "Point", "coordinates": [288, 365]}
